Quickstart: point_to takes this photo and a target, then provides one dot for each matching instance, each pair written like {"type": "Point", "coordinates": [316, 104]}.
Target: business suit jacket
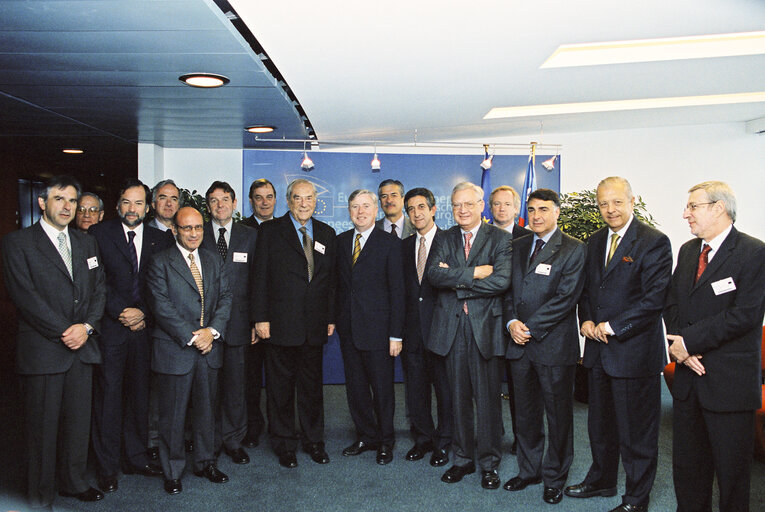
{"type": "Point", "coordinates": [370, 294]}
{"type": "Point", "coordinates": [420, 297]}
{"type": "Point", "coordinates": [49, 300]}
{"type": "Point", "coordinates": [175, 303]}
{"type": "Point", "coordinates": [408, 226]}
{"type": "Point", "coordinates": [519, 231]}
{"type": "Point", "coordinates": [725, 329]}
{"type": "Point", "coordinates": [547, 303]}
{"type": "Point", "coordinates": [491, 246]}
{"type": "Point", "coordinates": [630, 295]}
{"type": "Point", "coordinates": [240, 274]}
{"type": "Point", "coordinates": [298, 310]}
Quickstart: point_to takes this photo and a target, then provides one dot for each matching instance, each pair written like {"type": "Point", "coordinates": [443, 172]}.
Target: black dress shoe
{"type": "Point", "coordinates": [238, 455]}
{"type": "Point", "coordinates": [552, 495]}
{"type": "Point", "coordinates": [317, 453]}
{"type": "Point", "coordinates": [153, 453]}
{"type": "Point", "coordinates": [250, 441]}
{"type": "Point", "coordinates": [455, 473]}
{"type": "Point", "coordinates": [189, 445]}
{"type": "Point", "coordinates": [287, 459]}
{"type": "Point", "coordinates": [384, 454]}
{"type": "Point", "coordinates": [147, 470]}
{"type": "Point", "coordinates": [357, 448]}
{"type": "Point", "coordinates": [213, 474]}
{"type": "Point", "coordinates": [418, 451]}
{"type": "Point", "coordinates": [173, 486]}
{"type": "Point", "coordinates": [518, 484]}
{"type": "Point", "coordinates": [439, 457]}
{"type": "Point", "coordinates": [584, 490]}
{"type": "Point", "coordinates": [107, 483]}
{"type": "Point", "coordinates": [89, 495]}
{"type": "Point", "coordinates": [490, 479]}
{"type": "Point", "coordinates": [626, 507]}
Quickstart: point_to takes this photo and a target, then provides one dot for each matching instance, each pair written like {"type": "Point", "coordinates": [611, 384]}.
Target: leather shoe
{"type": "Point", "coordinates": [89, 495]}
{"type": "Point", "coordinates": [287, 459]}
{"type": "Point", "coordinates": [384, 454]}
{"type": "Point", "coordinates": [518, 484]}
{"type": "Point", "coordinates": [213, 474]}
{"type": "Point", "coordinates": [107, 483]}
{"type": "Point", "coordinates": [357, 448]}
{"type": "Point", "coordinates": [238, 455]}
{"type": "Point", "coordinates": [189, 445]}
{"type": "Point", "coordinates": [552, 495]}
{"type": "Point", "coordinates": [153, 453]}
{"type": "Point", "coordinates": [456, 473]}
{"type": "Point", "coordinates": [584, 490]}
{"type": "Point", "coordinates": [317, 453]}
{"type": "Point", "coordinates": [626, 507]}
{"type": "Point", "coordinates": [147, 470]}
{"type": "Point", "coordinates": [439, 457]}
{"type": "Point", "coordinates": [490, 479]}
{"type": "Point", "coordinates": [418, 451]}
{"type": "Point", "coordinates": [173, 486]}
{"type": "Point", "coordinates": [250, 441]}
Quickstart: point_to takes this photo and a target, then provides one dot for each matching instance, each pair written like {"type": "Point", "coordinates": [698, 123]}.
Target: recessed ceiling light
{"type": "Point", "coordinates": [651, 50]}
{"type": "Point", "coordinates": [260, 128]}
{"type": "Point", "coordinates": [609, 106]}
{"type": "Point", "coordinates": [206, 80]}
{"type": "Point", "coordinates": [72, 151]}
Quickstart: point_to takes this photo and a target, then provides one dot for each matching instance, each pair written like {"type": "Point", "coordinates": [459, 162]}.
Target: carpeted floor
{"type": "Point", "coordinates": [346, 484]}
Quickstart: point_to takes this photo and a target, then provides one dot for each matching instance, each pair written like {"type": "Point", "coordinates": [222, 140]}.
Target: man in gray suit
{"type": "Point", "coordinates": [191, 299]}
{"type": "Point", "coordinates": [54, 277]}
{"type": "Point", "coordinates": [391, 194]}
{"type": "Point", "coordinates": [471, 266]}
{"type": "Point", "coordinates": [540, 315]}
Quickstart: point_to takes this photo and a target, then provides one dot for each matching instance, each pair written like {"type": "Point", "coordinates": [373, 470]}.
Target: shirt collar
{"type": "Point", "coordinates": [51, 231]}
{"type": "Point", "coordinates": [227, 226]}
{"type": "Point", "coordinates": [474, 232]}
{"type": "Point", "coordinates": [623, 230]}
{"type": "Point", "coordinates": [717, 241]}
{"type": "Point", "coordinates": [545, 238]}
{"type": "Point", "coordinates": [138, 230]}
{"type": "Point", "coordinates": [185, 252]}
{"type": "Point", "coordinates": [430, 235]}
{"type": "Point", "coordinates": [399, 224]}
{"type": "Point", "coordinates": [364, 234]}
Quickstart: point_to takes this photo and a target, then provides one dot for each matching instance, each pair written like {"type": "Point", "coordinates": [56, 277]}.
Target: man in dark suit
{"type": "Point", "coordinates": [714, 317]}
{"type": "Point", "coordinates": [190, 298]}
{"type": "Point", "coordinates": [628, 269]}
{"type": "Point", "coordinates": [121, 394]}
{"type": "Point", "coordinates": [421, 366]}
{"type": "Point", "coordinates": [391, 194]}
{"type": "Point", "coordinates": [471, 267]}
{"type": "Point", "coordinates": [505, 203]}
{"type": "Point", "coordinates": [236, 245]}
{"type": "Point", "coordinates": [292, 305]}
{"type": "Point", "coordinates": [55, 278]}
{"type": "Point", "coordinates": [263, 201]}
{"type": "Point", "coordinates": [90, 211]}
{"type": "Point", "coordinates": [540, 315]}
{"type": "Point", "coordinates": [165, 201]}
{"type": "Point", "coordinates": [370, 323]}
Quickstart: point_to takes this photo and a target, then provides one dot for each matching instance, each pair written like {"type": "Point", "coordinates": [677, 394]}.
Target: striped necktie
{"type": "Point", "coordinates": [200, 286]}
{"type": "Point", "coordinates": [356, 249]}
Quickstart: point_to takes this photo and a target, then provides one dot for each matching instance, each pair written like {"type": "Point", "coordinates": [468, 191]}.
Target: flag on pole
{"type": "Point", "coordinates": [486, 184]}
{"type": "Point", "coordinates": [529, 186]}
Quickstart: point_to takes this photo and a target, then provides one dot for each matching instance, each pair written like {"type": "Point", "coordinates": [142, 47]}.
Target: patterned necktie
{"type": "Point", "coordinates": [538, 247]}
{"type": "Point", "coordinates": [222, 247]}
{"type": "Point", "coordinates": [200, 286]}
{"type": "Point", "coordinates": [308, 250]}
{"type": "Point", "coordinates": [468, 236]}
{"type": "Point", "coordinates": [134, 264]}
{"type": "Point", "coordinates": [356, 249]}
{"type": "Point", "coordinates": [393, 229]}
{"type": "Point", "coordinates": [422, 255]}
{"type": "Point", "coordinates": [612, 249]}
{"type": "Point", "coordinates": [703, 261]}
{"type": "Point", "coordinates": [63, 249]}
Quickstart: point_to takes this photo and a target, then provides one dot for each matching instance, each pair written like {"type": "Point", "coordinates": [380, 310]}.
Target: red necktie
{"type": "Point", "coordinates": [703, 261]}
{"type": "Point", "coordinates": [468, 236]}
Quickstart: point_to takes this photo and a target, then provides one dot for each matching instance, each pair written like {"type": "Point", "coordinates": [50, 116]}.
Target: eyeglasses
{"type": "Point", "coordinates": [469, 205]}
{"type": "Point", "coordinates": [692, 206]}
{"type": "Point", "coordinates": [91, 210]}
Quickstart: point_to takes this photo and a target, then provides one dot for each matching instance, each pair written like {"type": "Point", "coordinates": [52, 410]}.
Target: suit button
{"type": "Point", "coordinates": [76, 301]}
{"type": "Point", "coordinates": [420, 299]}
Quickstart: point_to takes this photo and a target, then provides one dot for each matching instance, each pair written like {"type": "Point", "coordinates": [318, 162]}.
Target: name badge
{"type": "Point", "coordinates": [240, 257]}
{"type": "Point", "coordinates": [543, 269]}
{"type": "Point", "coordinates": [319, 247]}
{"type": "Point", "coordinates": [724, 286]}
{"type": "Point", "coordinates": [92, 262]}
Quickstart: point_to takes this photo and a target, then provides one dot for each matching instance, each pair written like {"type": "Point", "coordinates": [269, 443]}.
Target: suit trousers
{"type": "Point", "coordinates": [541, 389]}
{"type": "Point", "coordinates": [121, 403]}
{"type": "Point", "coordinates": [421, 369]}
{"type": "Point", "coordinates": [231, 417]}
{"type": "Point", "coordinates": [174, 394]}
{"type": "Point", "coordinates": [292, 371]}
{"type": "Point", "coordinates": [510, 393]}
{"type": "Point", "coordinates": [705, 443]}
{"type": "Point", "coordinates": [474, 378]}
{"type": "Point", "coordinates": [57, 412]}
{"type": "Point", "coordinates": [256, 357]}
{"type": "Point", "coordinates": [369, 389]}
{"type": "Point", "coordinates": [623, 419]}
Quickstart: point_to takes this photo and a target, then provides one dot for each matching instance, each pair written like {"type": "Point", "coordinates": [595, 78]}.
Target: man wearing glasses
{"type": "Point", "coordinates": [90, 211]}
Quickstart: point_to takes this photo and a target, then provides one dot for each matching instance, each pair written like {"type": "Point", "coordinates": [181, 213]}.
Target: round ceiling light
{"type": "Point", "coordinates": [260, 128]}
{"type": "Point", "coordinates": [205, 80]}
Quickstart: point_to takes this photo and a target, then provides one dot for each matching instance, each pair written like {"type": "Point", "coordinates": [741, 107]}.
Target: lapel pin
{"type": "Point", "coordinates": [627, 259]}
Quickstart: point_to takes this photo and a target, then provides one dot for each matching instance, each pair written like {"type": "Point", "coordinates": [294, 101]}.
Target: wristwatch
{"type": "Point", "coordinates": [89, 329]}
